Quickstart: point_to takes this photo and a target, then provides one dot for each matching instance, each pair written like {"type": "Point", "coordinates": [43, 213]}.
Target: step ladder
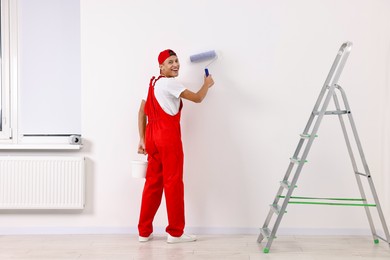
{"type": "Point", "coordinates": [328, 92]}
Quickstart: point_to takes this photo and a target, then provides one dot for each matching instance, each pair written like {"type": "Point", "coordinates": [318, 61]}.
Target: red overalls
{"type": "Point", "coordinates": [165, 168]}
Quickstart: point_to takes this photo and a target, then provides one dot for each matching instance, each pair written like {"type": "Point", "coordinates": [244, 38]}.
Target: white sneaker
{"type": "Point", "coordinates": [184, 238]}
{"type": "Point", "coordinates": [145, 239]}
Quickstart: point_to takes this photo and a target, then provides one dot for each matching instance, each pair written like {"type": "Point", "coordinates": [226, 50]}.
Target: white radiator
{"type": "Point", "coordinates": [38, 182]}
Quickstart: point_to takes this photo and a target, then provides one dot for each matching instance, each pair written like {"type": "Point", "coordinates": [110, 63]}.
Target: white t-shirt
{"type": "Point", "coordinates": [167, 92]}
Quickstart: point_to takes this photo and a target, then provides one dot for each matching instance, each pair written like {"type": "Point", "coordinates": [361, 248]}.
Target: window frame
{"type": "Point", "coordinates": [10, 137]}
{"type": "Point", "coordinates": [6, 131]}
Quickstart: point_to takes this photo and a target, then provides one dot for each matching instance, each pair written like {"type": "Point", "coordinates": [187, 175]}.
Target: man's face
{"type": "Point", "coordinates": [170, 67]}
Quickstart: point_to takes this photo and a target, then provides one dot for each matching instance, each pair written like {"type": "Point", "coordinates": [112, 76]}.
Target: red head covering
{"type": "Point", "coordinates": [165, 55]}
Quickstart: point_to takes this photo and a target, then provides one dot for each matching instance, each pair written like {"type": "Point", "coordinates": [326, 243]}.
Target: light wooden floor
{"type": "Point", "coordinates": [218, 247]}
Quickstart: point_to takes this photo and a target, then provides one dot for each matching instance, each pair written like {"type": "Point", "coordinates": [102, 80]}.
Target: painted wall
{"type": "Point", "coordinates": [273, 59]}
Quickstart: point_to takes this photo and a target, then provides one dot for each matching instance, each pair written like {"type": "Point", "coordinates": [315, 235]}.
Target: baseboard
{"type": "Point", "coordinates": [190, 230]}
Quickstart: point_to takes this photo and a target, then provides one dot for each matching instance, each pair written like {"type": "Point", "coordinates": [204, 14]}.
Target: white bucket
{"type": "Point", "coordinates": [138, 169]}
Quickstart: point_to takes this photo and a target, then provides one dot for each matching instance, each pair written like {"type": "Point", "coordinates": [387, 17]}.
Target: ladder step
{"type": "Point", "coordinates": [307, 136]}
{"type": "Point", "coordinates": [335, 112]}
{"type": "Point", "coordinates": [297, 160]}
{"type": "Point", "coordinates": [266, 232]}
{"type": "Point", "coordinates": [286, 185]}
{"type": "Point", "coordinates": [276, 209]}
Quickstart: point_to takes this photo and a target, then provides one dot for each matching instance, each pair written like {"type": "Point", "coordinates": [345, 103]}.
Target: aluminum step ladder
{"type": "Point", "coordinates": [328, 92]}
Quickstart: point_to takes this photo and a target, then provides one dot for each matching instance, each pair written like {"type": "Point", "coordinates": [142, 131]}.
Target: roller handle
{"type": "Point", "coordinates": [206, 72]}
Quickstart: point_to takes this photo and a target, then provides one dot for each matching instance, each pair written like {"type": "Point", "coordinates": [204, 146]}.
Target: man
{"type": "Point", "coordinates": [160, 138]}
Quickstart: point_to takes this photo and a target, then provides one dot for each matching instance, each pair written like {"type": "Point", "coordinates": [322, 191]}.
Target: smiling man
{"type": "Point", "coordinates": [160, 139]}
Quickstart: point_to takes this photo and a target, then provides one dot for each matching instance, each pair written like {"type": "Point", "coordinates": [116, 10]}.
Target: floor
{"type": "Point", "coordinates": [217, 247]}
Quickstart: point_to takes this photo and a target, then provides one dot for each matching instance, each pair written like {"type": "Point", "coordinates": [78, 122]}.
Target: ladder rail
{"type": "Point", "coordinates": [365, 165]}
{"type": "Point", "coordinates": [276, 201]}
{"type": "Point", "coordinates": [331, 79]}
{"type": "Point", "coordinates": [345, 134]}
{"type": "Point", "coordinates": [291, 165]}
{"type": "Point", "coordinates": [338, 64]}
{"type": "Point", "coordinates": [300, 165]}
{"type": "Point", "coordinates": [356, 136]}
{"type": "Point", "coordinates": [380, 211]}
{"type": "Point", "coordinates": [352, 157]}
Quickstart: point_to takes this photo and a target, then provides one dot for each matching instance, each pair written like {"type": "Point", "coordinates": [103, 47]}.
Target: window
{"type": "Point", "coordinates": [40, 92]}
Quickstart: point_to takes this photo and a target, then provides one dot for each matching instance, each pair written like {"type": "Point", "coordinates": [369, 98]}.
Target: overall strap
{"type": "Point", "coordinates": [152, 106]}
{"type": "Point", "coordinates": [153, 80]}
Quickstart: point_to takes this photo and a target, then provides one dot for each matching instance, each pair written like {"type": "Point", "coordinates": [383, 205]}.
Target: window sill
{"type": "Point", "coordinates": [40, 147]}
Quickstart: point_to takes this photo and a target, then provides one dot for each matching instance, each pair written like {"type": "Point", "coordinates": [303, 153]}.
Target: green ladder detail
{"type": "Point", "coordinates": [299, 201]}
{"type": "Point", "coordinates": [328, 92]}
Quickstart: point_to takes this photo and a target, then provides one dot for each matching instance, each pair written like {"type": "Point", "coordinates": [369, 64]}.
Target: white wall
{"type": "Point", "coordinates": [274, 58]}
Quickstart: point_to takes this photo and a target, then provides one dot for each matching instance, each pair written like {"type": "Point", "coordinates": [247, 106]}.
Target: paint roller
{"type": "Point", "coordinates": [208, 55]}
